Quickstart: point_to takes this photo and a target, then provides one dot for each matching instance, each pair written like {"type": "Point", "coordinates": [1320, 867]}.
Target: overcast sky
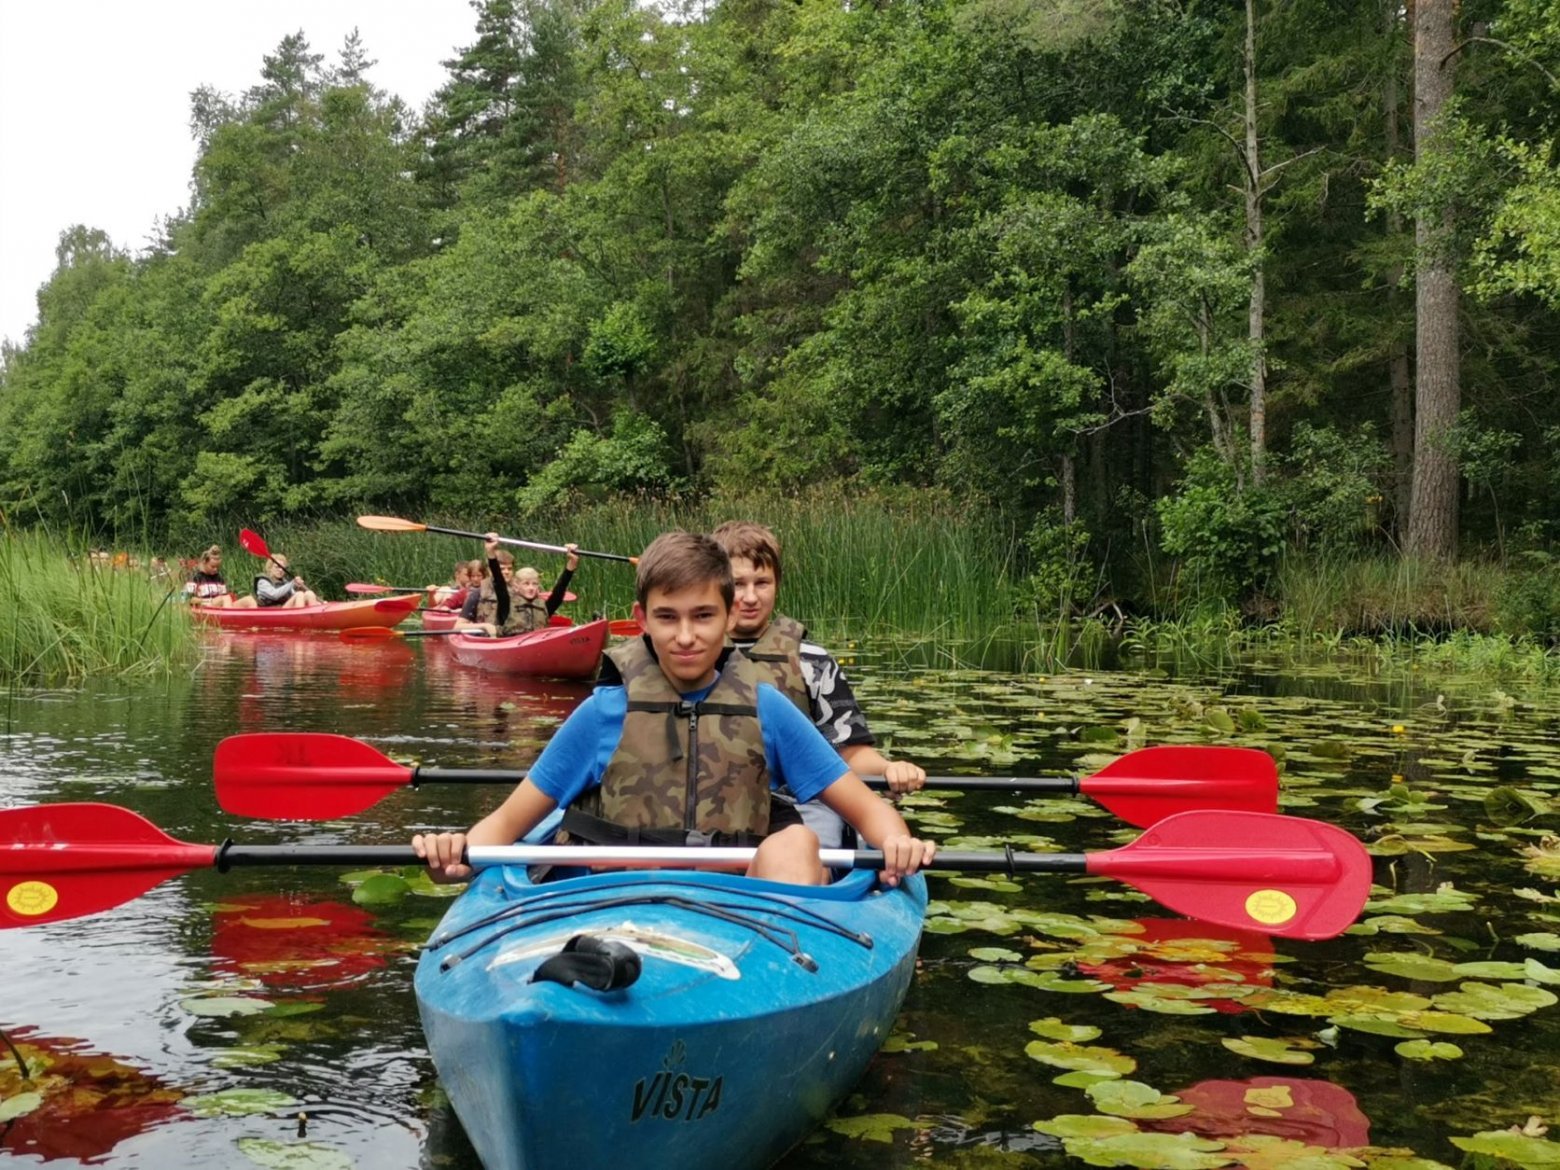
{"type": "Point", "coordinates": [94, 104]}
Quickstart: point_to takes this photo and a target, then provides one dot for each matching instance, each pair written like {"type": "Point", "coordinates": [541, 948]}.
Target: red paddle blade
{"type": "Point", "coordinates": [60, 861]}
{"type": "Point", "coordinates": [625, 628]}
{"type": "Point", "coordinates": [302, 776]}
{"type": "Point", "coordinates": [361, 587]}
{"type": "Point", "coordinates": [1287, 876]}
{"type": "Point", "coordinates": [390, 524]}
{"type": "Point", "coordinates": [1148, 785]}
{"type": "Point", "coordinates": [252, 543]}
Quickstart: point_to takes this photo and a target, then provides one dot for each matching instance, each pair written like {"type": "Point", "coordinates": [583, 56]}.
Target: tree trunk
{"type": "Point", "coordinates": [1399, 379]}
{"type": "Point", "coordinates": [1254, 326]}
{"type": "Point", "coordinates": [1432, 522]}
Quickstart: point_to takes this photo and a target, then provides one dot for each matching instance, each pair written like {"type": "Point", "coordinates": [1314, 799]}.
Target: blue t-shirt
{"type": "Point", "coordinates": [576, 757]}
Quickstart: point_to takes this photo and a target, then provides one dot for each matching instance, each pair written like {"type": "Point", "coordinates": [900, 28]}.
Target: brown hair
{"type": "Point", "coordinates": [677, 560]}
{"type": "Point", "coordinates": [754, 542]}
{"type": "Point", "coordinates": [214, 551]}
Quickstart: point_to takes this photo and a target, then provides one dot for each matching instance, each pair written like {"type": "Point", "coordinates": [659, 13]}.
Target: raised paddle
{"type": "Point", "coordinates": [309, 775]}
{"type": "Point", "coordinates": [361, 587]}
{"type": "Point", "coordinates": [1278, 875]}
{"type": "Point", "coordinates": [396, 524]}
{"type": "Point", "coordinates": [255, 545]}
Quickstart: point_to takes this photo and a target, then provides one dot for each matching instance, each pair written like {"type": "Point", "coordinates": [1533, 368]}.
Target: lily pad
{"type": "Point", "coordinates": [239, 1103]}
{"type": "Point", "coordinates": [220, 1006]}
{"type": "Point", "coordinates": [1428, 1050]}
{"type": "Point", "coordinates": [1274, 1051]}
{"type": "Point", "coordinates": [19, 1106]}
{"type": "Point", "coordinates": [1136, 1100]}
{"type": "Point", "coordinates": [1513, 1147]}
{"type": "Point", "coordinates": [277, 1155]}
{"type": "Point", "coordinates": [1080, 1058]}
{"type": "Point", "coordinates": [380, 890]}
{"type": "Point", "coordinates": [873, 1127]}
{"type": "Point", "coordinates": [1054, 1029]}
{"type": "Point", "coordinates": [1151, 1151]}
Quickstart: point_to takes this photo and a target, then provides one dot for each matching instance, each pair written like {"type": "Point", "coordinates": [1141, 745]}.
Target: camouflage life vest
{"type": "Point", "coordinates": [525, 616]}
{"type": "Point", "coordinates": [778, 653]}
{"type": "Point", "coordinates": [681, 768]}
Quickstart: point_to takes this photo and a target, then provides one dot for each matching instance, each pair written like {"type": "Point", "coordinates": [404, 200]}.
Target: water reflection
{"type": "Point", "coordinates": [294, 941]}
{"type": "Point", "coordinates": [1311, 1112]}
{"type": "Point", "coordinates": [66, 1099]}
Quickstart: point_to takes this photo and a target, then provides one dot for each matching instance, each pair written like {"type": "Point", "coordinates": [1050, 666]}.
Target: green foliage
{"type": "Point", "coordinates": [634, 457]}
{"type": "Point", "coordinates": [1228, 539]}
{"type": "Point", "coordinates": [1334, 488]}
{"type": "Point", "coordinates": [1529, 602]}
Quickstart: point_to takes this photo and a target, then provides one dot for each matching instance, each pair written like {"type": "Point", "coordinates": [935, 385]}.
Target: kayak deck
{"type": "Point", "coordinates": [554, 652]}
{"type": "Point", "coordinates": [757, 1008]}
{"type": "Point", "coordinates": [329, 615]}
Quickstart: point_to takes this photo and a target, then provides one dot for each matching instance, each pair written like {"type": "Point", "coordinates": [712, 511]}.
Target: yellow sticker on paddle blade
{"type": "Point", "coordinates": [1270, 907]}
{"type": "Point", "coordinates": [31, 899]}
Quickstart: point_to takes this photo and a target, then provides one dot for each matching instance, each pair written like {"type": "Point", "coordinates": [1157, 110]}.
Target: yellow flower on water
{"type": "Point", "coordinates": [1397, 778]}
{"type": "Point", "coordinates": [1399, 729]}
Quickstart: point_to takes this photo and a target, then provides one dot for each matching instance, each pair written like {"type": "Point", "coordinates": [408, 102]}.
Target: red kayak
{"type": "Point", "coordinates": [439, 619]}
{"type": "Point", "coordinates": [556, 652]}
{"type": "Point", "coordinates": [331, 615]}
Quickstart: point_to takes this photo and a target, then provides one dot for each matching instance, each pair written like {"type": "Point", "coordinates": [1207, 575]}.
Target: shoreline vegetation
{"type": "Point", "coordinates": [942, 583]}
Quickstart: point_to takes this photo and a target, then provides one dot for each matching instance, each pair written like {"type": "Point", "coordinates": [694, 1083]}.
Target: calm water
{"type": "Point", "coordinates": [129, 1022]}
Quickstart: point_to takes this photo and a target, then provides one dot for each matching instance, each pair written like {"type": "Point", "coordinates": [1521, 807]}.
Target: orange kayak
{"type": "Point", "coordinates": [556, 652]}
{"type": "Point", "coordinates": [331, 615]}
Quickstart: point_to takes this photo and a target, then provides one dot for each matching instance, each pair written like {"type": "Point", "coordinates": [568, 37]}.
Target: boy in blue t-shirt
{"type": "Point", "coordinates": [684, 597]}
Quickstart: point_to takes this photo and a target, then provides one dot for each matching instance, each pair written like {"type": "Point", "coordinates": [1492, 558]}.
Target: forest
{"type": "Point", "coordinates": [1162, 285]}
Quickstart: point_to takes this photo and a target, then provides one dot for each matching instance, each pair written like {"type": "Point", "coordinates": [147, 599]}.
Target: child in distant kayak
{"type": "Point", "coordinates": [805, 672]}
{"type": "Point", "coordinates": [689, 749]}
{"type": "Point", "coordinates": [467, 576]}
{"type": "Point", "coordinates": [206, 585]}
{"type": "Point", "coordinates": [509, 600]}
{"type": "Point", "coordinates": [274, 588]}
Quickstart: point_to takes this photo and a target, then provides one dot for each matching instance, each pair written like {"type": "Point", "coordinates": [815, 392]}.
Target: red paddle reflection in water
{"type": "Point", "coordinates": [1168, 952]}
{"type": "Point", "coordinates": [91, 1101]}
{"type": "Point", "coordinates": [1314, 1113]}
{"type": "Point", "coordinates": [298, 943]}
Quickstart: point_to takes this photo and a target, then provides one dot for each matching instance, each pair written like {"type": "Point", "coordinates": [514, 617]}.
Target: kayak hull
{"type": "Point", "coordinates": [724, 1053]}
{"type": "Point", "coordinates": [439, 619]}
{"type": "Point", "coordinates": [330, 615]}
{"type": "Point", "coordinates": [554, 652]}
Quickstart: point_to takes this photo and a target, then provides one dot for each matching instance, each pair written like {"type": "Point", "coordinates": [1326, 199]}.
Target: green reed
{"type": "Point", "coordinates": [66, 618]}
{"type": "Point", "coordinates": [902, 565]}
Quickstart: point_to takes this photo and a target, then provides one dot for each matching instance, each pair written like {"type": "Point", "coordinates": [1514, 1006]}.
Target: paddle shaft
{"type": "Point", "coordinates": [539, 546]}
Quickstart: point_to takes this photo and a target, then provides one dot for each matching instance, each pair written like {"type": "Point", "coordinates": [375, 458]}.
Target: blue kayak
{"type": "Point", "coordinates": [750, 1008]}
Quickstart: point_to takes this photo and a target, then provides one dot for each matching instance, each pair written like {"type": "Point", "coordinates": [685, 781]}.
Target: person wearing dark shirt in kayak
{"type": "Point", "coordinates": [206, 585]}
{"type": "Point", "coordinates": [274, 588]}
{"type": "Point", "coordinates": [509, 600]}
{"type": "Point", "coordinates": [618, 755]}
{"type": "Point", "coordinates": [805, 671]}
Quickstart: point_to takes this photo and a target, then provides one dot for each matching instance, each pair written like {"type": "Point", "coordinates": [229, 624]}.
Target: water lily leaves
{"type": "Point", "coordinates": [906, 1042]}
{"type": "Point", "coordinates": [1512, 806]}
{"type": "Point", "coordinates": [995, 955]}
{"type": "Point", "coordinates": [1377, 1024]}
{"type": "Point", "coordinates": [874, 1127]}
{"type": "Point", "coordinates": [1134, 1099]}
{"type": "Point", "coordinates": [1427, 1050]}
{"type": "Point", "coordinates": [239, 1102]}
{"type": "Point", "coordinates": [1390, 924]}
{"type": "Point", "coordinates": [1547, 941]}
{"type": "Point", "coordinates": [1447, 1023]}
{"type": "Point", "coordinates": [1164, 998]}
{"type": "Point", "coordinates": [999, 885]}
{"type": "Point", "coordinates": [1041, 980]}
{"type": "Point", "coordinates": [220, 1006]}
{"type": "Point", "coordinates": [1538, 973]}
{"type": "Point", "coordinates": [380, 890]}
{"type": "Point", "coordinates": [1292, 1050]}
{"type": "Point", "coordinates": [1150, 1151]}
{"type": "Point", "coordinates": [1543, 859]}
{"type": "Point", "coordinates": [19, 1106]}
{"type": "Point", "coordinates": [276, 1155]}
{"type": "Point", "coordinates": [1411, 965]}
{"type": "Point", "coordinates": [1080, 1058]}
{"type": "Point", "coordinates": [1513, 1147]}
{"type": "Point", "coordinates": [1085, 1125]}
{"type": "Point", "coordinates": [1054, 1029]}
{"type": "Point", "coordinates": [1445, 900]}
{"type": "Point", "coordinates": [1220, 720]}
{"type": "Point", "coordinates": [1491, 970]}
{"type": "Point", "coordinates": [1509, 1001]}
{"type": "Point", "coordinates": [247, 1055]}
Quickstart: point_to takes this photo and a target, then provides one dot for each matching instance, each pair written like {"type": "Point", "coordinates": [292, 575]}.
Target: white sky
{"type": "Point", "coordinates": [94, 104]}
